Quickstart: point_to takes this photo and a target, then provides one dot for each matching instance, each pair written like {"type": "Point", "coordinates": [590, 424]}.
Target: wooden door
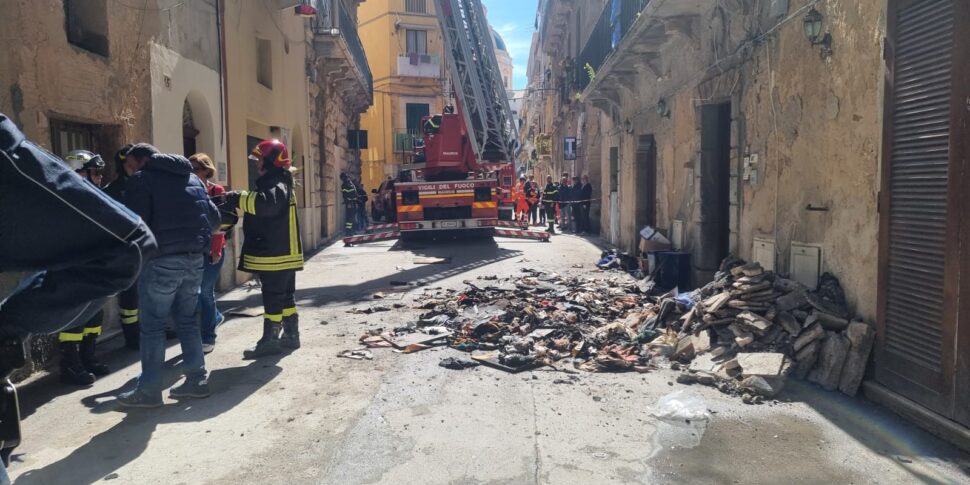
{"type": "Point", "coordinates": [925, 150]}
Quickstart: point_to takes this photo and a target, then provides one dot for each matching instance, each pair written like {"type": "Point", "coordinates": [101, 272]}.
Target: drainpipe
{"type": "Point", "coordinates": [221, 21]}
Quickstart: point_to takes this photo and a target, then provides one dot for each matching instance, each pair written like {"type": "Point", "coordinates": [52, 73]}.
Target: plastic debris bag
{"type": "Point", "coordinates": [681, 406]}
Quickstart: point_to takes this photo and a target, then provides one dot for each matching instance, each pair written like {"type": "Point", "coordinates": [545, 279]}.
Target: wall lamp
{"type": "Point", "coordinates": [813, 32]}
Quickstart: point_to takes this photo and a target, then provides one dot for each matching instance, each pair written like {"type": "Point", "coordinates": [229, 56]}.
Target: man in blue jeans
{"type": "Point", "coordinates": [175, 204]}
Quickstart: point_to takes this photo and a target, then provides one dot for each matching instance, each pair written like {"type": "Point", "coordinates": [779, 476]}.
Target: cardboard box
{"type": "Point", "coordinates": [650, 246]}
{"type": "Point", "coordinates": [652, 240]}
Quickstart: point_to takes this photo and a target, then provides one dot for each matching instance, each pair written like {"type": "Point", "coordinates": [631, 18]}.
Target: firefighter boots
{"type": "Point", "coordinates": [269, 344]}
{"type": "Point", "coordinates": [89, 359]}
{"type": "Point", "coordinates": [291, 332]}
{"type": "Point", "coordinates": [72, 369]}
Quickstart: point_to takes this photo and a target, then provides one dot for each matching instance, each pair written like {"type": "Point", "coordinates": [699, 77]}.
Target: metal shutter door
{"type": "Point", "coordinates": [920, 158]}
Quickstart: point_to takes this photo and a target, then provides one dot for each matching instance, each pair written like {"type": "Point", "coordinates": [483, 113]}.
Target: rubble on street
{"type": "Point", "coordinates": [744, 333]}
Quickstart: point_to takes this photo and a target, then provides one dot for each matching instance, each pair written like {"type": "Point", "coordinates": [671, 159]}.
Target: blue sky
{"type": "Point", "coordinates": [514, 20]}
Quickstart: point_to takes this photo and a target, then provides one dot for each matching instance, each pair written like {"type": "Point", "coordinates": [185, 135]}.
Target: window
{"type": "Point", "coordinates": [264, 62]}
{"type": "Point", "coordinates": [357, 139]}
{"type": "Point", "coordinates": [67, 136]}
{"type": "Point", "coordinates": [416, 6]}
{"type": "Point", "coordinates": [417, 41]}
{"type": "Point", "coordinates": [86, 24]}
{"type": "Point", "coordinates": [414, 112]}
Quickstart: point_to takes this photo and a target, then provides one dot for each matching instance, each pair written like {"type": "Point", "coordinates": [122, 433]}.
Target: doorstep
{"type": "Point", "coordinates": [936, 424]}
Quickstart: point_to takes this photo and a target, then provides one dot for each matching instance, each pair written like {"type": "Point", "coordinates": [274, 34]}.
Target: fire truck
{"type": "Point", "coordinates": [462, 170]}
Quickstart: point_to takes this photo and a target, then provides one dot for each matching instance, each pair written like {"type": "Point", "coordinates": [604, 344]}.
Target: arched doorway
{"type": "Point", "coordinates": [198, 133]}
{"type": "Point", "coordinates": [189, 131]}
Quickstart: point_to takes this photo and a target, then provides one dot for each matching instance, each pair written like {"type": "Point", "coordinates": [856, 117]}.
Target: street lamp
{"type": "Point", "coordinates": [813, 32]}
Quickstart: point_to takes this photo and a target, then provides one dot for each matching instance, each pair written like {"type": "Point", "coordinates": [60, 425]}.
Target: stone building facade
{"type": "Point", "coordinates": [736, 129]}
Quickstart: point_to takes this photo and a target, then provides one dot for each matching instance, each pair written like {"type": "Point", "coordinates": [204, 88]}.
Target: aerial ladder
{"type": "Point", "coordinates": [454, 185]}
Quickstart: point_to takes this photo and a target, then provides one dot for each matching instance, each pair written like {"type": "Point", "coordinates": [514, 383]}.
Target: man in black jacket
{"type": "Point", "coordinates": [127, 300]}
{"type": "Point", "coordinates": [175, 204]}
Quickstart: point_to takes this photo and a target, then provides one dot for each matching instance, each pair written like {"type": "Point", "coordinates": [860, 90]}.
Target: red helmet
{"type": "Point", "coordinates": [272, 153]}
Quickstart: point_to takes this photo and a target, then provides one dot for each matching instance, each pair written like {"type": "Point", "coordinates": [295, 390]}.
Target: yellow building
{"type": "Point", "coordinates": [403, 43]}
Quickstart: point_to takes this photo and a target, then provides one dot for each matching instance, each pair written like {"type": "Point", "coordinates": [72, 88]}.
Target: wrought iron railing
{"type": "Point", "coordinates": [614, 23]}
{"type": "Point", "coordinates": [404, 140]}
{"type": "Point", "coordinates": [333, 14]}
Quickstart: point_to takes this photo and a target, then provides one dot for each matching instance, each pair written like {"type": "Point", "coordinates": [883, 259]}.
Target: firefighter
{"type": "Point", "coordinates": [79, 363]}
{"type": "Point", "coordinates": [127, 300]}
{"type": "Point", "coordinates": [349, 193]}
{"type": "Point", "coordinates": [271, 246]}
{"type": "Point", "coordinates": [361, 205]}
{"type": "Point", "coordinates": [549, 198]}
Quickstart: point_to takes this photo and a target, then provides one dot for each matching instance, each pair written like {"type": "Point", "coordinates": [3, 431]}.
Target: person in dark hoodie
{"type": "Point", "coordinates": [128, 299]}
{"type": "Point", "coordinates": [175, 204]}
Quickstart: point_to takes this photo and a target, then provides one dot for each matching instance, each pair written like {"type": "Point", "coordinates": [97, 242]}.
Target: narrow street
{"type": "Point", "coordinates": [311, 417]}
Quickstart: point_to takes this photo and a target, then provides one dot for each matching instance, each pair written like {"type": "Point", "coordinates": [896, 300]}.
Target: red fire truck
{"type": "Point", "coordinates": [464, 174]}
{"type": "Point", "coordinates": [462, 170]}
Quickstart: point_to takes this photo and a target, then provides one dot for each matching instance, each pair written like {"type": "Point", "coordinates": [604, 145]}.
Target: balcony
{"type": "Point", "coordinates": [419, 65]}
{"type": "Point", "coordinates": [340, 54]}
{"type": "Point", "coordinates": [634, 36]}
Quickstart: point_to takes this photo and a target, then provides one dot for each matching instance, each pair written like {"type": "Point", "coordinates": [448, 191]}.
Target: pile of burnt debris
{"type": "Point", "coordinates": [745, 332]}
{"type": "Point", "coordinates": [750, 329]}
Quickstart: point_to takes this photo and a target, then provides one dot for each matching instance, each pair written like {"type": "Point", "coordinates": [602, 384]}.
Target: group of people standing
{"type": "Point", "coordinates": [565, 204]}
{"type": "Point", "coordinates": [191, 218]}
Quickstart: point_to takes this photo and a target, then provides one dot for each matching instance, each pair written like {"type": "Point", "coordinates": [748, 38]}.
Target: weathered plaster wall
{"type": "Point", "coordinates": [815, 125]}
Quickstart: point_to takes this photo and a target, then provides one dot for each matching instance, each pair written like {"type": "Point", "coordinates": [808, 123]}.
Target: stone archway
{"type": "Point", "coordinates": [198, 133]}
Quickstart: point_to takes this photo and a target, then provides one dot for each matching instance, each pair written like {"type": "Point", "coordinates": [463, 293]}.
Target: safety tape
{"type": "Point", "coordinates": [274, 317]}
{"type": "Point", "coordinates": [289, 312]}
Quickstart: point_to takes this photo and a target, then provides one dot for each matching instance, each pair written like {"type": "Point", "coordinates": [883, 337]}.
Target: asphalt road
{"type": "Point", "coordinates": [311, 417]}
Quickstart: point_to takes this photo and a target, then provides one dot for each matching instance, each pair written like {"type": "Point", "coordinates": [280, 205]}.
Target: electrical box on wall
{"type": "Point", "coordinates": [763, 253]}
{"type": "Point", "coordinates": [805, 264]}
{"type": "Point", "coordinates": [749, 172]}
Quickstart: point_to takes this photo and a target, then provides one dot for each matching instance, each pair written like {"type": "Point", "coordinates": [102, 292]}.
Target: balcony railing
{"type": "Point", "coordinates": [612, 26]}
{"type": "Point", "coordinates": [416, 6]}
{"type": "Point", "coordinates": [404, 140]}
{"type": "Point", "coordinates": [333, 18]}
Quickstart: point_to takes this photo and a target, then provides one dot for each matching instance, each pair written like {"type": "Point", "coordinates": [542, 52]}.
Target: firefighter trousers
{"type": "Point", "coordinates": [350, 216]}
{"type": "Point", "coordinates": [278, 294]}
{"type": "Point", "coordinates": [77, 334]}
{"type": "Point", "coordinates": [128, 305]}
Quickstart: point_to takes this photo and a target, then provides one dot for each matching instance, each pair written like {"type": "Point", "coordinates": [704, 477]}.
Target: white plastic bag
{"type": "Point", "coordinates": [681, 406]}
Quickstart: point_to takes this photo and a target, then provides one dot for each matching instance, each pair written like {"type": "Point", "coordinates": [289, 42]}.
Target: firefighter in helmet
{"type": "Point", "coordinates": [79, 364]}
{"type": "Point", "coordinates": [349, 193]}
{"type": "Point", "coordinates": [271, 245]}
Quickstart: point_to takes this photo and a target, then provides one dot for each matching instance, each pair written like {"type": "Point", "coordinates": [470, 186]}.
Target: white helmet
{"type": "Point", "coordinates": [83, 160]}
